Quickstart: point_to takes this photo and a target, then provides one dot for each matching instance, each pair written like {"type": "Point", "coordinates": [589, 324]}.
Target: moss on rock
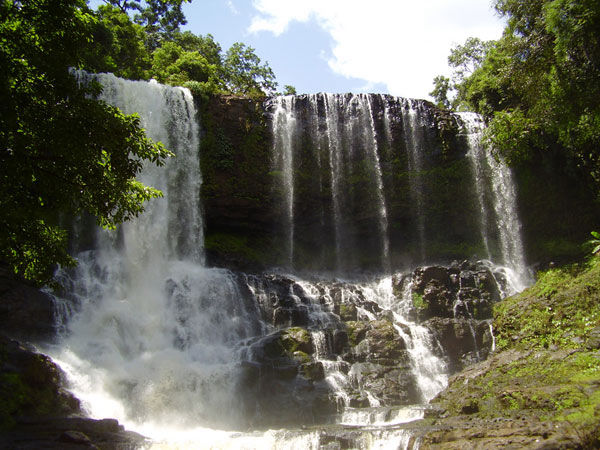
{"type": "Point", "coordinates": [546, 369]}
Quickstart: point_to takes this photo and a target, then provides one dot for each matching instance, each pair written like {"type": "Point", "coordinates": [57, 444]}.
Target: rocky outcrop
{"type": "Point", "coordinates": [246, 222]}
{"type": "Point", "coordinates": [71, 433]}
{"type": "Point", "coordinates": [38, 412]}
{"type": "Point", "coordinates": [26, 312]}
{"type": "Point", "coordinates": [36, 409]}
{"type": "Point", "coordinates": [336, 344]}
{"type": "Point", "coordinates": [462, 341]}
{"type": "Point", "coordinates": [466, 290]}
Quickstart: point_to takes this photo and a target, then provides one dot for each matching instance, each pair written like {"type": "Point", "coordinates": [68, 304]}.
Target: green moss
{"type": "Point", "coordinates": [14, 399]}
{"type": "Point", "coordinates": [546, 364]}
{"type": "Point", "coordinates": [356, 331]}
{"type": "Point", "coordinates": [295, 339]}
{"type": "Point", "coordinates": [294, 343]}
{"type": "Point", "coordinates": [559, 310]}
{"type": "Point", "coordinates": [417, 301]}
{"type": "Point", "coordinates": [301, 357]}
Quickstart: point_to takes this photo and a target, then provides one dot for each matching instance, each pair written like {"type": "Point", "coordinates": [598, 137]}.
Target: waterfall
{"type": "Point", "coordinates": [154, 336]}
{"type": "Point", "coordinates": [353, 157]}
{"type": "Point", "coordinates": [335, 164]}
{"type": "Point", "coordinates": [190, 355]}
{"type": "Point", "coordinates": [284, 129]}
{"type": "Point", "coordinates": [494, 178]}
{"type": "Point", "coordinates": [382, 216]}
{"type": "Point", "coordinates": [415, 147]}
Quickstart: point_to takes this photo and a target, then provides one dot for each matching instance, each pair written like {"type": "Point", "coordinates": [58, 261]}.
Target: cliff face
{"type": "Point", "coordinates": [237, 188]}
{"type": "Point", "coordinates": [333, 182]}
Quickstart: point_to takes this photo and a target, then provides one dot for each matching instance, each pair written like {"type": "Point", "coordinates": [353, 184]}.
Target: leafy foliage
{"type": "Point", "coordinates": [538, 85]}
{"type": "Point", "coordinates": [119, 46]}
{"type": "Point", "coordinates": [161, 19]}
{"type": "Point", "coordinates": [244, 73]}
{"type": "Point", "coordinates": [61, 152]}
{"type": "Point", "coordinates": [142, 48]}
{"type": "Point", "coordinates": [595, 243]}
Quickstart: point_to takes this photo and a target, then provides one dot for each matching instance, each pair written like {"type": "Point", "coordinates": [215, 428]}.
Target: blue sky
{"type": "Point", "coordinates": [383, 46]}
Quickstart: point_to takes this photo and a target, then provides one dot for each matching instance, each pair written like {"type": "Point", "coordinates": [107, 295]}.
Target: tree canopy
{"type": "Point", "coordinates": [138, 48]}
{"type": "Point", "coordinates": [538, 85]}
{"type": "Point", "coordinates": [62, 153]}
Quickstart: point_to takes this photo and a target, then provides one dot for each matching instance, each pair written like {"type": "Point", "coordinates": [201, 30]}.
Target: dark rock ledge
{"type": "Point", "coordinates": [37, 412]}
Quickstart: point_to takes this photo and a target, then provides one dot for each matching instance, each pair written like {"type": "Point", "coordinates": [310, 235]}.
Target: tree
{"type": "Point", "coordinates": [464, 60]}
{"type": "Point", "coordinates": [289, 90]}
{"type": "Point", "coordinates": [62, 153]}
{"type": "Point", "coordinates": [441, 87]}
{"type": "Point", "coordinates": [161, 19]}
{"type": "Point", "coordinates": [205, 45]}
{"type": "Point", "coordinates": [538, 86]}
{"type": "Point", "coordinates": [173, 65]}
{"type": "Point", "coordinates": [119, 45]}
{"type": "Point", "coordinates": [244, 73]}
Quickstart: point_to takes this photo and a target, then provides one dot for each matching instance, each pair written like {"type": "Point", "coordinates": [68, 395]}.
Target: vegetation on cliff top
{"type": "Point", "coordinates": [538, 85]}
{"type": "Point", "coordinates": [63, 153]}
{"type": "Point", "coordinates": [547, 364]}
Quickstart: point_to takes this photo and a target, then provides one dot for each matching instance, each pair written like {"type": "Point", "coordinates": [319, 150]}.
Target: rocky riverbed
{"type": "Point", "coordinates": [537, 389]}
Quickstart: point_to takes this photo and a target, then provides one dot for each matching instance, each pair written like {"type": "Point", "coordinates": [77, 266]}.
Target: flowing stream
{"type": "Point", "coordinates": [173, 349]}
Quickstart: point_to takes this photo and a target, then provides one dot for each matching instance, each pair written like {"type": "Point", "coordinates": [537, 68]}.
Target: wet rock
{"type": "Point", "coordinates": [468, 433]}
{"type": "Point", "coordinates": [423, 276]}
{"type": "Point", "coordinates": [313, 371]}
{"type": "Point", "coordinates": [383, 341]}
{"type": "Point", "coordinates": [26, 313]}
{"type": "Point", "coordinates": [593, 339]}
{"type": "Point", "coordinates": [462, 341]}
{"type": "Point", "coordinates": [76, 437]}
{"type": "Point", "coordinates": [389, 384]}
{"type": "Point", "coordinates": [290, 316]}
{"type": "Point", "coordinates": [282, 344]}
{"type": "Point", "coordinates": [70, 433]}
{"type": "Point", "coordinates": [462, 290]}
{"type": "Point", "coordinates": [347, 312]}
{"type": "Point", "coordinates": [340, 341]}
{"type": "Point", "coordinates": [470, 408]}
{"type": "Point", "coordinates": [32, 385]}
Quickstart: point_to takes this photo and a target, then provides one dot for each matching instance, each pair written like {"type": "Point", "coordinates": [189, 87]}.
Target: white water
{"type": "Point", "coordinates": [335, 164]}
{"type": "Point", "coordinates": [493, 175]}
{"type": "Point", "coordinates": [414, 144]}
{"type": "Point", "coordinates": [372, 148]}
{"type": "Point", "coordinates": [154, 337]}
{"type": "Point", "coordinates": [430, 371]}
{"type": "Point", "coordinates": [284, 130]}
{"type": "Point", "coordinates": [349, 129]}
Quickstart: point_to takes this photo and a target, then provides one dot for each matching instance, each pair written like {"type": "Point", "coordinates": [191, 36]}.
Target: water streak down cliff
{"type": "Point", "coordinates": [373, 182]}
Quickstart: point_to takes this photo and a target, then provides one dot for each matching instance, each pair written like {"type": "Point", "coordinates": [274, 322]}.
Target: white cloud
{"type": "Point", "coordinates": [400, 43]}
{"type": "Point", "coordinates": [232, 7]}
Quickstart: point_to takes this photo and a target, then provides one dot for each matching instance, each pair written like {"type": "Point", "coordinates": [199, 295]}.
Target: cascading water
{"type": "Point", "coordinates": [353, 153]}
{"type": "Point", "coordinates": [494, 178]}
{"type": "Point", "coordinates": [172, 348]}
{"type": "Point", "coordinates": [372, 149]}
{"type": "Point", "coordinates": [335, 164]}
{"type": "Point", "coordinates": [414, 144]}
{"type": "Point", "coordinates": [284, 127]}
{"type": "Point", "coordinates": [154, 336]}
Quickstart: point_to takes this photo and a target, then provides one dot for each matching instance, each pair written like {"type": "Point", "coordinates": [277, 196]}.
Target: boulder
{"type": "Point", "coordinates": [462, 290]}
{"type": "Point", "coordinates": [462, 341]}
{"type": "Point", "coordinates": [26, 313]}
{"type": "Point", "coordinates": [31, 385]}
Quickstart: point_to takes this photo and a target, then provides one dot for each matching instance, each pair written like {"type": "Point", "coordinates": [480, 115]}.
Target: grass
{"type": "Point", "coordinates": [547, 362]}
